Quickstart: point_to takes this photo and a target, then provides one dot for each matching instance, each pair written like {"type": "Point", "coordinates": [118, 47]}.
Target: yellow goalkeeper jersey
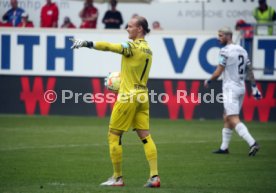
{"type": "Point", "coordinates": [135, 66]}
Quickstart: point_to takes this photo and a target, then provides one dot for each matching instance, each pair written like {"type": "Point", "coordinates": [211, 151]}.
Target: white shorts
{"type": "Point", "coordinates": [232, 100]}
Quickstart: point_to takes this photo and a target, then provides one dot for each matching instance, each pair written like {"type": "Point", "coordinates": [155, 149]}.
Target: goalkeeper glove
{"type": "Point", "coordinates": [255, 92]}
{"type": "Point", "coordinates": [106, 80]}
{"type": "Point", "coordinates": [78, 43]}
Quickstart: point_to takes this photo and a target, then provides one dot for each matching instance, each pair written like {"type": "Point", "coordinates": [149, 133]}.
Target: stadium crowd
{"type": "Point", "coordinates": [113, 19]}
{"type": "Point", "coordinates": [49, 15]}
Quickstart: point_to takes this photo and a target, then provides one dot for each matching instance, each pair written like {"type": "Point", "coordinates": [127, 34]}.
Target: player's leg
{"type": "Point", "coordinates": [151, 155]}
{"type": "Point", "coordinates": [120, 121]}
{"type": "Point", "coordinates": [150, 150]}
{"type": "Point", "coordinates": [226, 137]}
{"type": "Point", "coordinates": [227, 130]}
{"type": "Point", "coordinates": [243, 132]}
{"type": "Point", "coordinates": [234, 120]}
{"type": "Point", "coordinates": [115, 151]}
{"type": "Point", "coordinates": [141, 125]}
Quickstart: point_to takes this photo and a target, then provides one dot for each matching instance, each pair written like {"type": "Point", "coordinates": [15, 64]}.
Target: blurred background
{"type": "Point", "coordinates": [36, 56]}
{"type": "Point", "coordinates": [172, 14]}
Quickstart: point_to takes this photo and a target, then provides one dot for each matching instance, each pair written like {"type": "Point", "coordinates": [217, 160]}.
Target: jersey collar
{"type": "Point", "coordinates": [140, 40]}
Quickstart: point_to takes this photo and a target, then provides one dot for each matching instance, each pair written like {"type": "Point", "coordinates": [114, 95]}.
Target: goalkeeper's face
{"type": "Point", "coordinates": [133, 29]}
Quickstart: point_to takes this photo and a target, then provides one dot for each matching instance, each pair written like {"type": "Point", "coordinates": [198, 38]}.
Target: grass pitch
{"type": "Point", "coordinates": [58, 154]}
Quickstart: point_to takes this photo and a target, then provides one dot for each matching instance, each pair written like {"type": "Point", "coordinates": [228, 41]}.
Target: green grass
{"type": "Point", "coordinates": [70, 155]}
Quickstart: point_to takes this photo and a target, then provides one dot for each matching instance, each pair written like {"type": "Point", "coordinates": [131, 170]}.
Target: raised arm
{"type": "Point", "coordinates": [123, 48]}
{"type": "Point", "coordinates": [106, 46]}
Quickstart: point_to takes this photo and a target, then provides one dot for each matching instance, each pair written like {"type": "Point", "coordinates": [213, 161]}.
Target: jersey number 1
{"type": "Point", "coordinates": [145, 68]}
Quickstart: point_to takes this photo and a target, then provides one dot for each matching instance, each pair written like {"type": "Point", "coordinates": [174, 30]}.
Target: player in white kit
{"type": "Point", "coordinates": [234, 65]}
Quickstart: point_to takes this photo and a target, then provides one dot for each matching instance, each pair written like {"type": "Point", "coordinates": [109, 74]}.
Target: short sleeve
{"type": "Point", "coordinates": [223, 58]}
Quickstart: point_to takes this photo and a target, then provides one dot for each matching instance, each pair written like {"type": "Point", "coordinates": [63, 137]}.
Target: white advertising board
{"type": "Point", "coordinates": [176, 55]}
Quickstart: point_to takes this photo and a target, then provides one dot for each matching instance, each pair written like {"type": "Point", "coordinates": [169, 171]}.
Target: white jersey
{"type": "Point", "coordinates": [234, 58]}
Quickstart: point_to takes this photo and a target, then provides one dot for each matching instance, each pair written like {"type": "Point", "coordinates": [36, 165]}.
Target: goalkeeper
{"type": "Point", "coordinates": [132, 106]}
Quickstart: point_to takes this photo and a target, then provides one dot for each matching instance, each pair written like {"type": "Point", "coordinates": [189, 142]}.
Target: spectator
{"type": "Point", "coordinates": [246, 29]}
{"type": "Point", "coordinates": [49, 15]}
{"type": "Point", "coordinates": [13, 15]}
{"type": "Point", "coordinates": [67, 23]}
{"type": "Point", "coordinates": [156, 26]}
{"type": "Point", "coordinates": [113, 18]}
{"type": "Point", "coordinates": [24, 21]}
{"type": "Point", "coordinates": [5, 24]}
{"type": "Point", "coordinates": [264, 14]}
{"type": "Point", "coordinates": [89, 15]}
{"type": "Point", "coordinates": [247, 32]}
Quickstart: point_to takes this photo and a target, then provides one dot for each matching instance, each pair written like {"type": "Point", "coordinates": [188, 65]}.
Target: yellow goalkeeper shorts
{"type": "Point", "coordinates": [131, 113]}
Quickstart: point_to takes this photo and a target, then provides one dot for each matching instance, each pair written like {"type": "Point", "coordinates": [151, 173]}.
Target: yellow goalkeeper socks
{"type": "Point", "coordinates": [151, 154]}
{"type": "Point", "coordinates": [116, 151]}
